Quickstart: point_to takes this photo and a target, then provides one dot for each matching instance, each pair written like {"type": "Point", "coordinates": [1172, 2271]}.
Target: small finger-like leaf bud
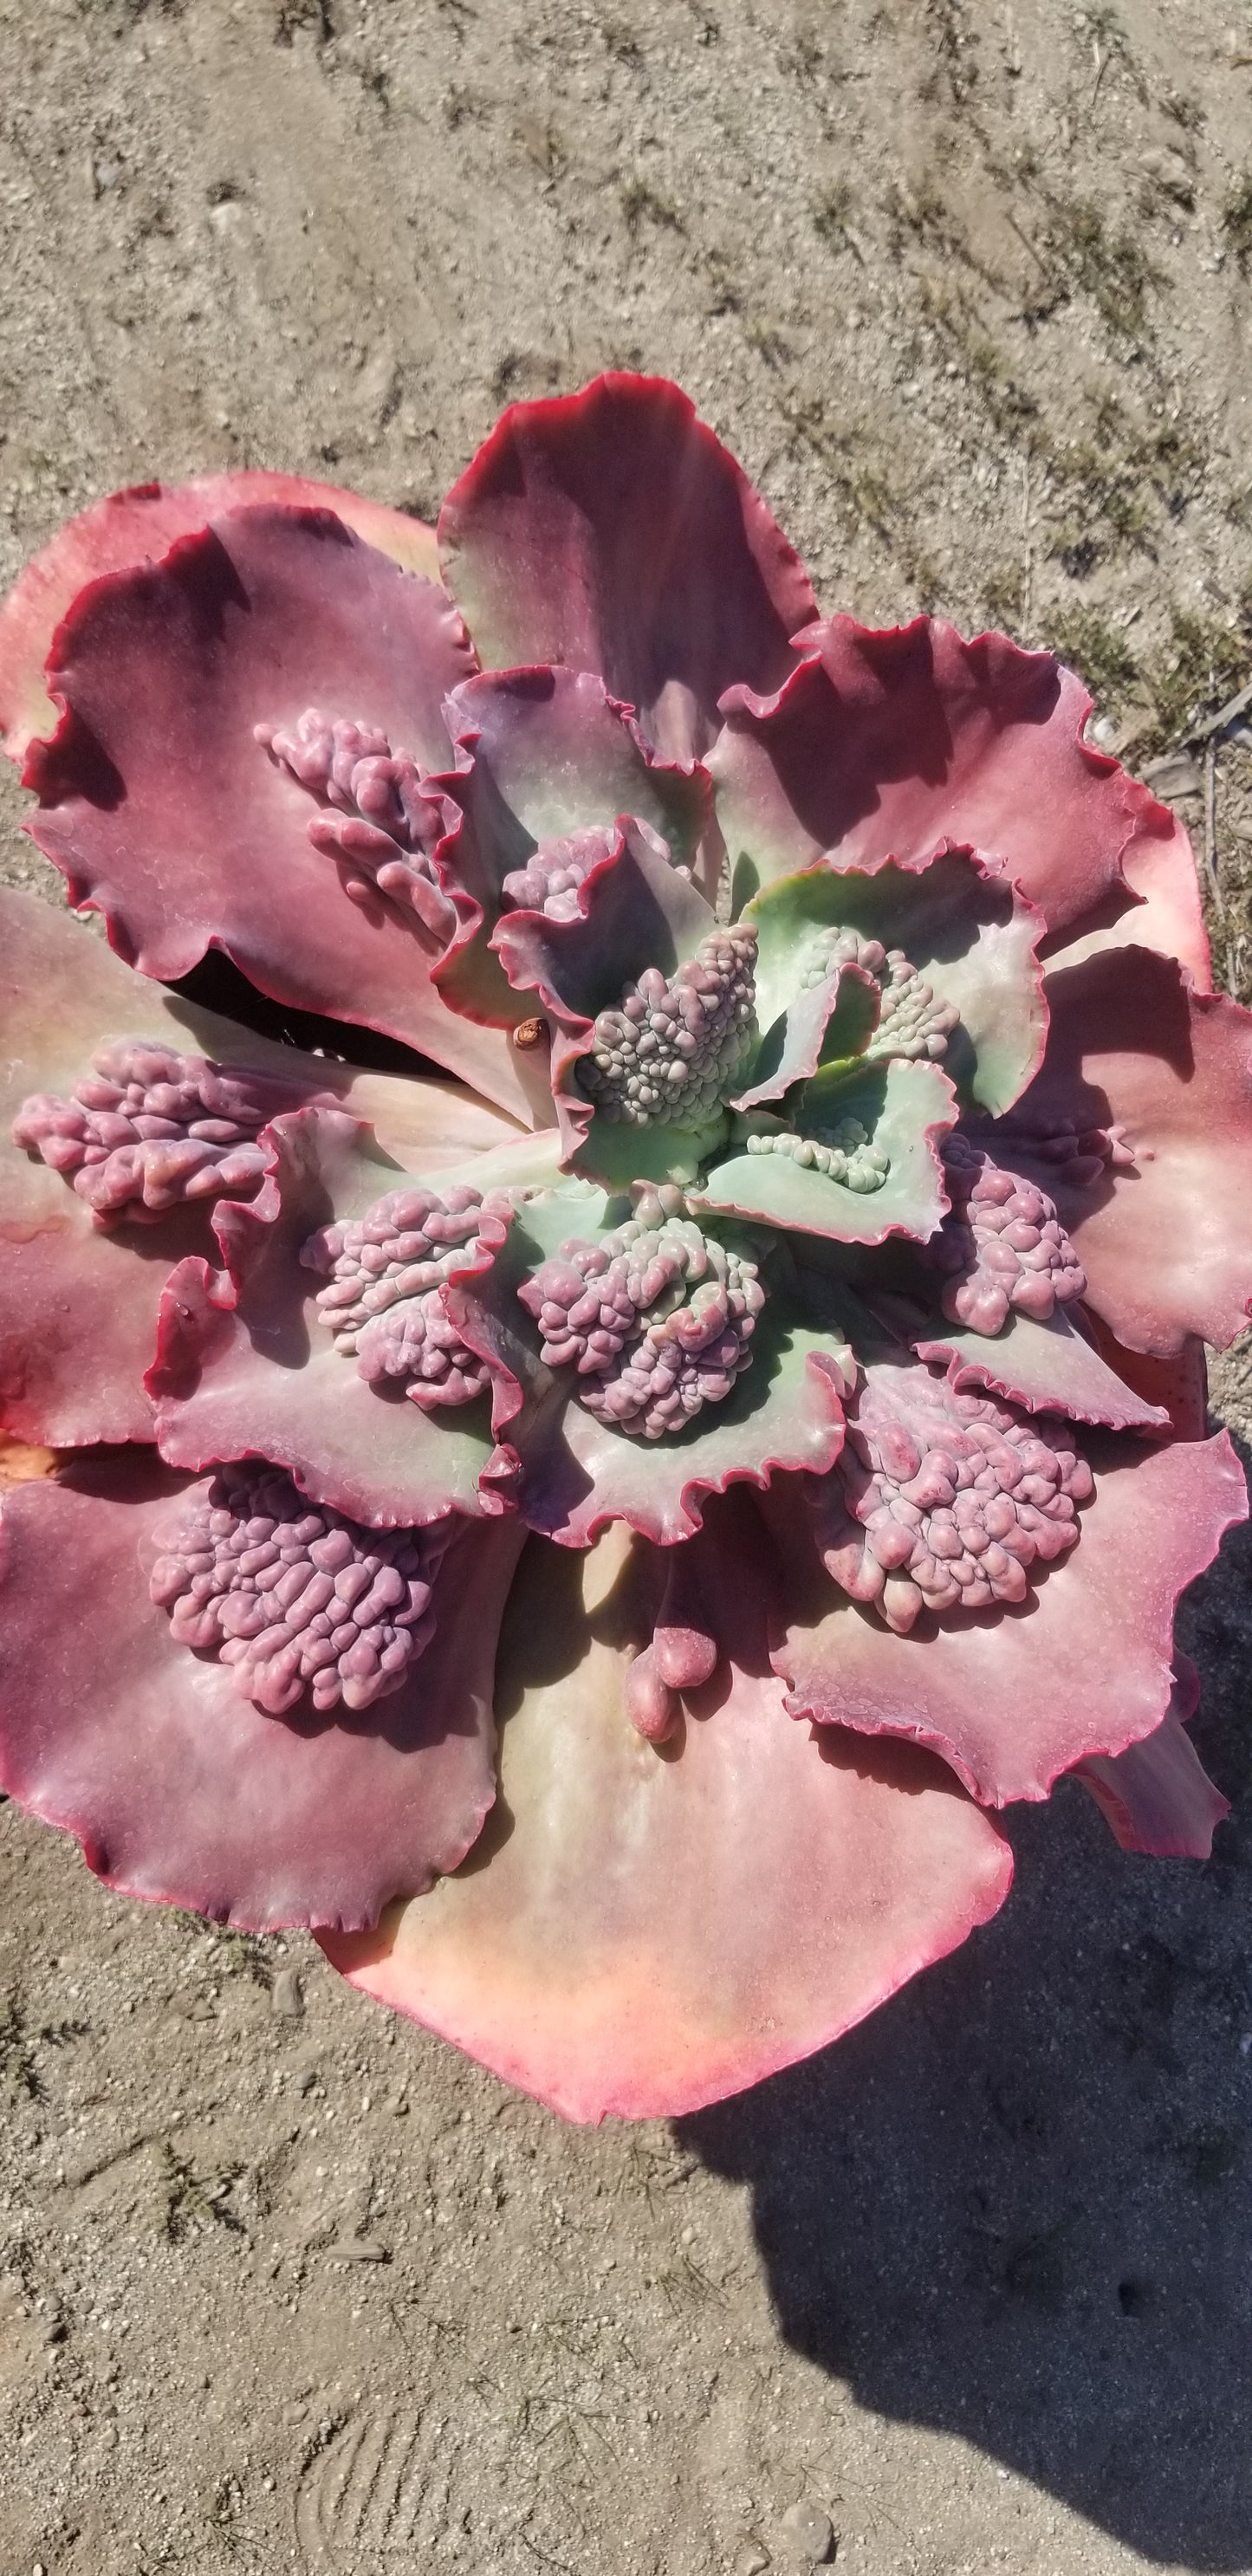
{"type": "Point", "coordinates": [912, 1021]}
{"type": "Point", "coordinates": [944, 1502]}
{"type": "Point", "coordinates": [1003, 1245]}
{"type": "Point", "coordinates": [844, 1153]}
{"type": "Point", "coordinates": [375, 813]}
{"type": "Point", "coordinates": [671, 1050]}
{"type": "Point", "coordinates": [387, 1272]}
{"type": "Point", "coordinates": [550, 880]}
{"type": "Point", "coordinates": [1079, 1155]}
{"type": "Point", "coordinates": [303, 1604]}
{"type": "Point", "coordinates": [146, 1130]}
{"type": "Point", "coordinates": [657, 1322]}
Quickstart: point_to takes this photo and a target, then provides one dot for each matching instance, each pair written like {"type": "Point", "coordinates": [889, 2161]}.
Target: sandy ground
{"type": "Point", "coordinates": [283, 2284]}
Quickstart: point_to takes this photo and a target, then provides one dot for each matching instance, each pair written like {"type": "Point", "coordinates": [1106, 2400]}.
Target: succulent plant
{"type": "Point", "coordinates": [597, 1522]}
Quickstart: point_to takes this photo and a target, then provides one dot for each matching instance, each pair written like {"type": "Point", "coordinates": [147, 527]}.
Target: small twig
{"type": "Point", "coordinates": [1225, 716]}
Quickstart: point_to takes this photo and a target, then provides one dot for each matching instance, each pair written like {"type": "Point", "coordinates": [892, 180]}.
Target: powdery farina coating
{"type": "Point", "coordinates": [147, 1129]}
{"type": "Point", "coordinates": [296, 1598]}
{"type": "Point", "coordinates": [943, 1501]}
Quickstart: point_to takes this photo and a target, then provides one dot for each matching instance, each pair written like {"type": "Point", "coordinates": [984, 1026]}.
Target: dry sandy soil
{"type": "Point", "coordinates": [284, 2285]}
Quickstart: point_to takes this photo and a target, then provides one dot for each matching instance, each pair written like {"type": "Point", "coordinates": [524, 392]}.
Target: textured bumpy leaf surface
{"type": "Point", "coordinates": [1013, 1697]}
{"type": "Point", "coordinates": [609, 530]}
{"type": "Point", "coordinates": [905, 1108]}
{"type": "Point", "coordinates": [891, 742]}
{"type": "Point", "coordinates": [247, 1367]}
{"type": "Point", "coordinates": [1168, 1248]}
{"type": "Point", "coordinates": [651, 1929]}
{"type": "Point", "coordinates": [139, 526]}
{"type": "Point", "coordinates": [169, 817]}
{"type": "Point", "coordinates": [180, 1789]}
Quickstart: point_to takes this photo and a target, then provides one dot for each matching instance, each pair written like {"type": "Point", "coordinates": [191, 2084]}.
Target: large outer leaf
{"type": "Point", "coordinates": [651, 1929]}
{"type": "Point", "coordinates": [905, 1107]}
{"type": "Point", "coordinates": [609, 530]}
{"type": "Point", "coordinates": [246, 1368]}
{"type": "Point", "coordinates": [136, 526]}
{"type": "Point", "coordinates": [892, 741]}
{"type": "Point", "coordinates": [1168, 1248]}
{"type": "Point", "coordinates": [166, 815]}
{"type": "Point", "coordinates": [961, 923]}
{"type": "Point", "coordinates": [1011, 1698]}
{"type": "Point", "coordinates": [78, 1306]}
{"type": "Point", "coordinates": [177, 1787]}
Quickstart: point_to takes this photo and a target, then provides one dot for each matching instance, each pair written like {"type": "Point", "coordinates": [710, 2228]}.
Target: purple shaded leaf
{"type": "Point", "coordinates": [247, 1367]}
{"type": "Point", "coordinates": [889, 742]}
{"type": "Point", "coordinates": [609, 530]}
{"type": "Point", "coordinates": [180, 1789]}
{"type": "Point", "coordinates": [1167, 1247]}
{"type": "Point", "coordinates": [165, 812]}
{"type": "Point", "coordinates": [662, 1926]}
{"type": "Point", "coordinates": [135, 527]}
{"type": "Point", "coordinates": [1048, 1366]}
{"type": "Point", "coordinates": [1011, 1697]}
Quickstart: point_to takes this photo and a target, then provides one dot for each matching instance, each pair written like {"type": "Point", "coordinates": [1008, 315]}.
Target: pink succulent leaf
{"type": "Point", "coordinates": [1178, 1385]}
{"type": "Point", "coordinates": [1002, 1249]}
{"type": "Point", "coordinates": [643, 964]}
{"type": "Point", "coordinates": [182, 1789]}
{"type": "Point", "coordinates": [860, 1162]}
{"type": "Point", "coordinates": [610, 531]}
{"type": "Point", "coordinates": [78, 1303]}
{"type": "Point", "coordinates": [138, 526]}
{"type": "Point", "coordinates": [1045, 1365]}
{"type": "Point", "coordinates": [1012, 1696]}
{"type": "Point", "coordinates": [1157, 1797]}
{"type": "Point", "coordinates": [1134, 1052]}
{"type": "Point", "coordinates": [166, 813]}
{"type": "Point", "coordinates": [247, 1362]}
{"type": "Point", "coordinates": [887, 742]}
{"type": "Point", "coordinates": [605, 1959]}
{"type": "Point", "coordinates": [952, 945]}
{"type": "Point", "coordinates": [1161, 869]}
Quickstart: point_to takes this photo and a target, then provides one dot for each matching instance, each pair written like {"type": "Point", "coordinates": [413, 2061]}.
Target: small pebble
{"type": "Point", "coordinates": [807, 2534]}
{"type": "Point", "coordinates": [751, 2560]}
{"type": "Point", "coordinates": [287, 1994]}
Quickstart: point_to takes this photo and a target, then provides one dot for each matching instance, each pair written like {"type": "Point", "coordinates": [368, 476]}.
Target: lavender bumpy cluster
{"type": "Point", "coordinates": [387, 1272]}
{"type": "Point", "coordinates": [656, 1318]}
{"type": "Point", "coordinates": [1003, 1241]}
{"type": "Point", "coordinates": [550, 880]}
{"type": "Point", "coordinates": [912, 1021]}
{"type": "Point", "coordinates": [377, 815]}
{"type": "Point", "coordinates": [147, 1129]}
{"type": "Point", "coordinates": [297, 1600]}
{"type": "Point", "coordinates": [943, 1501]}
{"type": "Point", "coordinates": [672, 1049]}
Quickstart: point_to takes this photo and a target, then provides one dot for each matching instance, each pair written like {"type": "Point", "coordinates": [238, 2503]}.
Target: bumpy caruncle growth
{"type": "Point", "coordinates": [296, 1600]}
{"type": "Point", "coordinates": [735, 1392]}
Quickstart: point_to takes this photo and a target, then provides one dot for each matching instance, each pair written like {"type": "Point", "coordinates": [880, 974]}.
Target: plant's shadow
{"type": "Point", "coordinates": [1016, 2205]}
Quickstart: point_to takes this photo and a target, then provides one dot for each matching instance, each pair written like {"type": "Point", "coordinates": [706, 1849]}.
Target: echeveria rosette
{"type": "Point", "coordinates": [791, 1360]}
